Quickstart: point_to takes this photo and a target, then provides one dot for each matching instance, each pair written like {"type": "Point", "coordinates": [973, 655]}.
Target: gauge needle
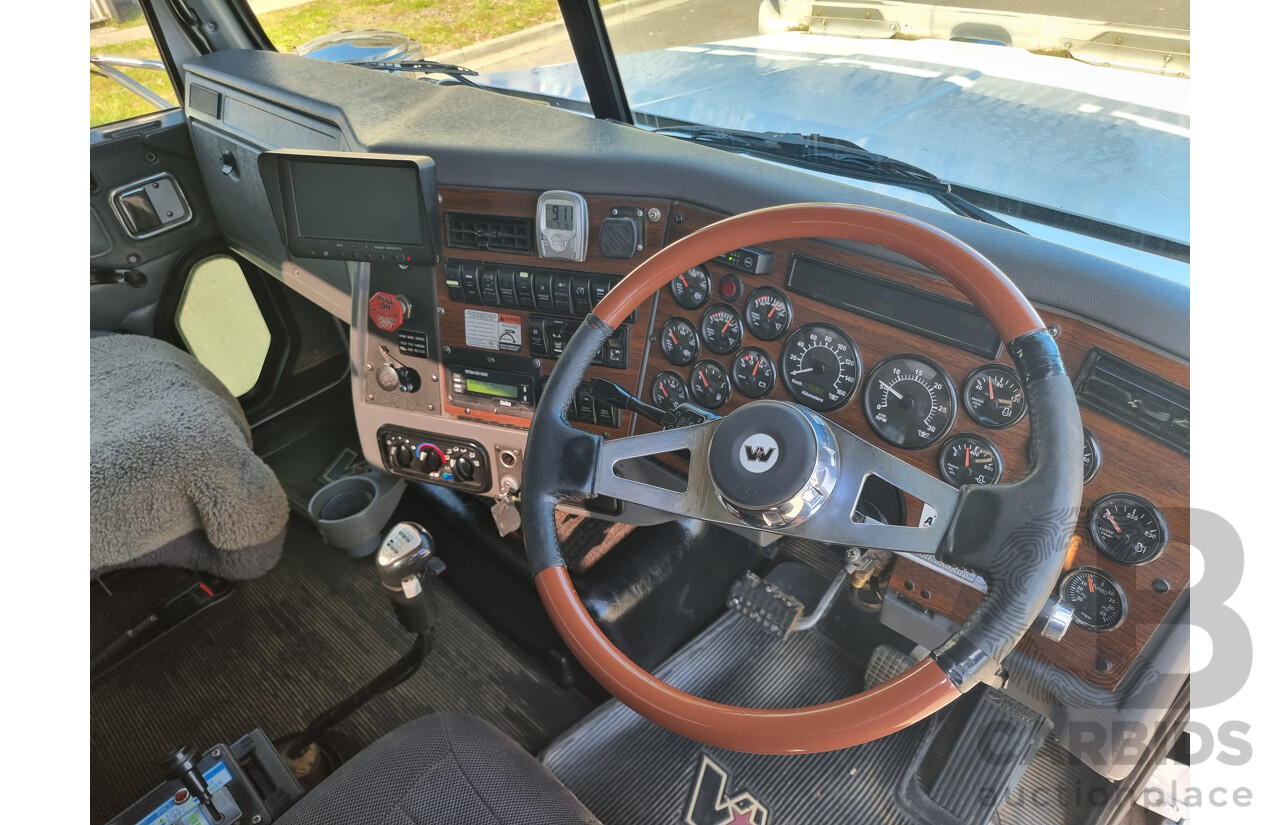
{"type": "Point", "coordinates": [1090, 579]}
{"type": "Point", "coordinates": [775, 309]}
{"type": "Point", "coordinates": [674, 339]}
{"type": "Point", "coordinates": [664, 390]}
{"type": "Point", "coordinates": [704, 379]}
{"type": "Point", "coordinates": [991, 390]}
{"type": "Point", "coordinates": [1112, 519]}
{"type": "Point", "coordinates": [757, 366]}
{"type": "Point", "coordinates": [803, 371]}
{"type": "Point", "coordinates": [896, 394]}
{"type": "Point", "coordinates": [682, 279]}
{"type": "Point", "coordinates": [726, 326]}
{"type": "Point", "coordinates": [966, 456]}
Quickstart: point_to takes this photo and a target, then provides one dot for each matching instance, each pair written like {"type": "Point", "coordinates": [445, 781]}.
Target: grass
{"type": "Point", "coordinates": [440, 25]}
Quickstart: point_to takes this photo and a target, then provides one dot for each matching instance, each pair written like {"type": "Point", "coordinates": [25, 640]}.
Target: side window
{"type": "Point", "coordinates": [126, 76]}
{"type": "Point", "coordinates": [221, 325]}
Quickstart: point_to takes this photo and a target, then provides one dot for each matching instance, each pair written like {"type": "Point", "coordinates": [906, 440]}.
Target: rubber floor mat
{"type": "Point", "coordinates": [290, 644]}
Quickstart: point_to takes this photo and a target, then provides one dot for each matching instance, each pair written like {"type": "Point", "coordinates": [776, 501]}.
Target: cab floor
{"type": "Point", "coordinates": [288, 645]}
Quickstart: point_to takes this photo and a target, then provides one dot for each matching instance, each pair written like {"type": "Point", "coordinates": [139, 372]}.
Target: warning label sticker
{"type": "Point", "coordinates": [489, 330]}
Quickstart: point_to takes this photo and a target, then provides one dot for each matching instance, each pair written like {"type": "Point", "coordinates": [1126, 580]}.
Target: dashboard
{"type": "Point", "coordinates": [448, 360]}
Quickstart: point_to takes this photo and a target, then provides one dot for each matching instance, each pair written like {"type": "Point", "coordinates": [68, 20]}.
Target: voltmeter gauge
{"type": "Point", "coordinates": [562, 225]}
{"type": "Point", "coordinates": [969, 459]}
{"type": "Point", "coordinates": [1128, 529]}
{"type": "Point", "coordinates": [768, 313]}
{"type": "Point", "coordinates": [692, 288]}
{"type": "Point", "coordinates": [753, 372]}
{"type": "Point", "coordinates": [709, 384]}
{"type": "Point", "coordinates": [722, 329]}
{"type": "Point", "coordinates": [909, 401]}
{"type": "Point", "coordinates": [1097, 599]}
{"type": "Point", "coordinates": [993, 396]}
{"type": "Point", "coordinates": [668, 390]}
{"type": "Point", "coordinates": [679, 341]}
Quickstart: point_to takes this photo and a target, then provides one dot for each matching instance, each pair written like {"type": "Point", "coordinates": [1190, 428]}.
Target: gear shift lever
{"type": "Point", "coordinates": [183, 766]}
{"type": "Point", "coordinates": [406, 563]}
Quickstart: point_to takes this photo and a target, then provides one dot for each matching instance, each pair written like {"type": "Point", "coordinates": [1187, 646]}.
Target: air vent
{"type": "Point", "coordinates": [489, 232]}
{"type": "Point", "coordinates": [1136, 398]}
{"type": "Point", "coordinates": [205, 100]}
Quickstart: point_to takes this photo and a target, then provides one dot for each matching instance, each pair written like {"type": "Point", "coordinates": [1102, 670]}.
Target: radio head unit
{"type": "Point", "coordinates": [354, 206]}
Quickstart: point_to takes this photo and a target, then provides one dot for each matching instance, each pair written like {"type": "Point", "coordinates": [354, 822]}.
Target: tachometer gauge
{"type": "Point", "coordinates": [710, 384]}
{"type": "Point", "coordinates": [1098, 601]}
{"type": "Point", "coordinates": [1092, 455]}
{"type": "Point", "coordinates": [993, 396]}
{"type": "Point", "coordinates": [692, 288]}
{"type": "Point", "coordinates": [722, 328]}
{"type": "Point", "coordinates": [909, 401]}
{"type": "Point", "coordinates": [969, 459]}
{"type": "Point", "coordinates": [1128, 529]}
{"type": "Point", "coordinates": [668, 390]}
{"type": "Point", "coordinates": [821, 366]}
{"type": "Point", "coordinates": [753, 372]}
{"type": "Point", "coordinates": [679, 341]}
{"type": "Point", "coordinates": [768, 313]}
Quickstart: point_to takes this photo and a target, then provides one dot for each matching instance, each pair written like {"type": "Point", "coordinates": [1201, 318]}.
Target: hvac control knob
{"type": "Point", "coordinates": [404, 455]}
{"type": "Point", "coordinates": [464, 468]}
{"type": "Point", "coordinates": [430, 458]}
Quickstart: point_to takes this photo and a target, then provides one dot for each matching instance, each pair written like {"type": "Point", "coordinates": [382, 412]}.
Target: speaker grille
{"type": "Point", "coordinates": [205, 100]}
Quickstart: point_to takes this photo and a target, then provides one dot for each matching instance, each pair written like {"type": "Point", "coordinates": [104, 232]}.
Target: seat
{"type": "Point", "coordinates": [444, 769]}
{"type": "Point", "coordinates": [173, 479]}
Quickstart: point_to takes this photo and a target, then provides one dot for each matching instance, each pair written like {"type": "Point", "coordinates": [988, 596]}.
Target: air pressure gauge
{"type": "Point", "coordinates": [562, 225]}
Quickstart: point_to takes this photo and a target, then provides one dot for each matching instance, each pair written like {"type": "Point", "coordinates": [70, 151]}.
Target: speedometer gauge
{"type": "Point", "coordinates": [821, 366]}
{"type": "Point", "coordinates": [909, 401]}
{"type": "Point", "coordinates": [1098, 601]}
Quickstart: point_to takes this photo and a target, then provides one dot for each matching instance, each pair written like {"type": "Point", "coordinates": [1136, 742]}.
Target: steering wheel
{"type": "Point", "coordinates": [1015, 535]}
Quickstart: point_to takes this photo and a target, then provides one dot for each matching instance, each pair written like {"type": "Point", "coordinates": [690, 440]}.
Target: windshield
{"type": "Point", "coordinates": [1059, 123]}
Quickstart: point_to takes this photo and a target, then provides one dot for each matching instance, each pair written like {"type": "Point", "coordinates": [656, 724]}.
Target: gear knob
{"type": "Point", "coordinates": [405, 561]}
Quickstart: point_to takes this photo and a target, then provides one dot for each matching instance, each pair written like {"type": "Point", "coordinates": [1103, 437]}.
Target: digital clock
{"type": "Point", "coordinates": [562, 225]}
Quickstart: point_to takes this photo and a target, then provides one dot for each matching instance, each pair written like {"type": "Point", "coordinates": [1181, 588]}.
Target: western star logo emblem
{"type": "Point", "coordinates": [759, 453]}
{"type": "Point", "coordinates": [711, 805]}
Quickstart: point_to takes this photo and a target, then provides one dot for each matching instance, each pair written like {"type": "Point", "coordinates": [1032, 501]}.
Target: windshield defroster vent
{"type": "Point", "coordinates": [1136, 398]}
{"type": "Point", "coordinates": [489, 232]}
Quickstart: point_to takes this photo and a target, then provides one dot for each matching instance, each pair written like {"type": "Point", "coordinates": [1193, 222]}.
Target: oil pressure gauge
{"type": "Point", "coordinates": [1098, 601]}
{"type": "Point", "coordinates": [993, 396]}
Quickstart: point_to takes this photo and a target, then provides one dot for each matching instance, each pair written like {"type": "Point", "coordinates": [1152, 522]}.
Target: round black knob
{"type": "Point", "coordinates": [464, 469]}
{"type": "Point", "coordinates": [431, 460]}
{"type": "Point", "coordinates": [404, 455]}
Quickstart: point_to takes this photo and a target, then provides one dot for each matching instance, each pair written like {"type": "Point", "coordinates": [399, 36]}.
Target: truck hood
{"type": "Point", "coordinates": [1109, 144]}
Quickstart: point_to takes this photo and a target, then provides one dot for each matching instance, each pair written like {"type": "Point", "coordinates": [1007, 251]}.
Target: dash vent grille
{"type": "Point", "coordinates": [204, 99]}
{"type": "Point", "coordinates": [489, 232]}
{"type": "Point", "coordinates": [1136, 398]}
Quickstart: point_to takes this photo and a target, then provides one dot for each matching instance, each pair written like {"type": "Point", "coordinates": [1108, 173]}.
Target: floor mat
{"type": "Point", "coordinates": [321, 450]}
{"type": "Point", "coordinates": [288, 645]}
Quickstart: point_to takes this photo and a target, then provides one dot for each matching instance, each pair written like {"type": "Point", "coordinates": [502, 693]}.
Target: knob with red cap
{"type": "Point", "coordinates": [388, 312]}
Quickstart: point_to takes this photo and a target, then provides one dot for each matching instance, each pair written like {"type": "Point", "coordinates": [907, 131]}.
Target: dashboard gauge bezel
{"type": "Point", "coordinates": [868, 410]}
{"type": "Point", "coordinates": [776, 293]}
{"type": "Point", "coordinates": [985, 443]}
{"type": "Point", "coordinates": [794, 339]}
{"type": "Point", "coordinates": [1160, 521]}
{"type": "Point", "coordinates": [721, 343]}
{"type": "Point", "coordinates": [705, 275]}
{"type": "Point", "coordinates": [1102, 575]}
{"type": "Point", "coordinates": [765, 358]}
{"type": "Point", "coordinates": [704, 364]}
{"type": "Point", "coordinates": [662, 339]}
{"type": "Point", "coordinates": [1091, 443]}
{"type": "Point", "coordinates": [653, 386]}
{"type": "Point", "coordinates": [990, 423]}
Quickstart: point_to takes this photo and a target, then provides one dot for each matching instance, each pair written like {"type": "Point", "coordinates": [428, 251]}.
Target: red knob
{"type": "Point", "coordinates": [388, 311]}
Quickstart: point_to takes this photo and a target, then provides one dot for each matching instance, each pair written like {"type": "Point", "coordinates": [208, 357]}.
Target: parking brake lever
{"type": "Point", "coordinates": [682, 416]}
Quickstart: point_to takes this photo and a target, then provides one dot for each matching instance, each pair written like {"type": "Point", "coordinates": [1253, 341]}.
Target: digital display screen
{"type": "Point", "coordinates": [560, 216]}
{"type": "Point", "coordinates": [479, 387]}
{"type": "Point", "coordinates": [932, 316]}
{"type": "Point", "coordinates": [363, 203]}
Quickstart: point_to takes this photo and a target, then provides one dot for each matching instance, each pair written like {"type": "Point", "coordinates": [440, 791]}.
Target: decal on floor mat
{"type": "Point", "coordinates": [349, 462]}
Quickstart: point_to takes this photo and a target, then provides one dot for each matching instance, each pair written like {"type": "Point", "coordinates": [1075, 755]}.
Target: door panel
{"type": "Point", "coordinates": [143, 178]}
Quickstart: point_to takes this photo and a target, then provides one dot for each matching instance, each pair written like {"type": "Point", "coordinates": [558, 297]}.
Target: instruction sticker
{"type": "Point", "coordinates": [489, 330]}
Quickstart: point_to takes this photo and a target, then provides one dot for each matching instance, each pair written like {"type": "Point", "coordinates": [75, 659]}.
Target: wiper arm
{"type": "Point", "coordinates": [460, 73]}
{"type": "Point", "coordinates": [842, 157]}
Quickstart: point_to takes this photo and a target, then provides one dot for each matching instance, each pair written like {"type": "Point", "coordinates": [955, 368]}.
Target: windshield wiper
{"type": "Point", "coordinates": [460, 73]}
{"type": "Point", "coordinates": [838, 156]}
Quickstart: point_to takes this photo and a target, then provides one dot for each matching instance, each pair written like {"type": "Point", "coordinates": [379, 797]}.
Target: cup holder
{"type": "Point", "coordinates": [351, 511]}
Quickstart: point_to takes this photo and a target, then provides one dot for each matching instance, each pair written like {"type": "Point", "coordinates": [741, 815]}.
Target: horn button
{"type": "Point", "coordinates": [773, 463]}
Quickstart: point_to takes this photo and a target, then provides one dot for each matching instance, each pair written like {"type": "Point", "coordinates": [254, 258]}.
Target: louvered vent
{"type": "Point", "coordinates": [489, 232]}
{"type": "Point", "coordinates": [205, 100]}
{"type": "Point", "coordinates": [1136, 398]}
